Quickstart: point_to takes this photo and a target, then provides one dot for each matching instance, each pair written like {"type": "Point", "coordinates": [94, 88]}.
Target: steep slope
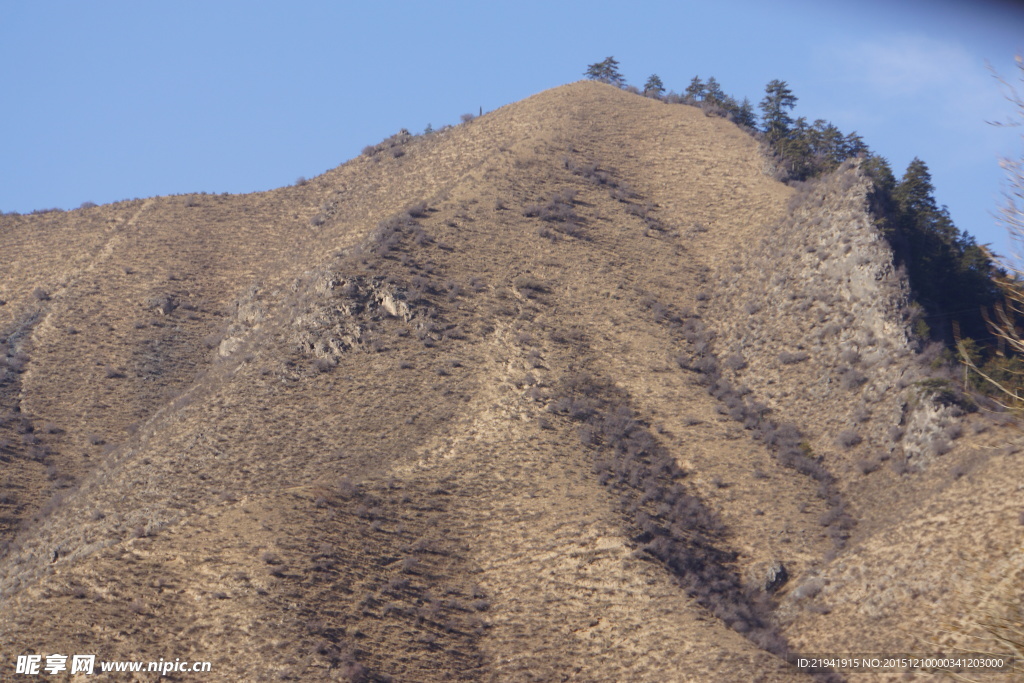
{"type": "Point", "coordinates": [469, 406]}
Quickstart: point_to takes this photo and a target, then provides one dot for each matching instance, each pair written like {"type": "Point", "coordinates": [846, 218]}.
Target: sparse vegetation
{"type": "Point", "coordinates": [373, 437]}
{"type": "Point", "coordinates": [675, 527]}
{"type": "Point", "coordinates": [848, 438]}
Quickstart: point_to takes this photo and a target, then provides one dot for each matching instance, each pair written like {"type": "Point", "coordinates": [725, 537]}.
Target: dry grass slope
{"type": "Point", "coordinates": [541, 396]}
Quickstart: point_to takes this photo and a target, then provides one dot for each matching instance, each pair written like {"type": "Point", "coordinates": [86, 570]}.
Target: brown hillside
{"type": "Point", "coordinates": [539, 397]}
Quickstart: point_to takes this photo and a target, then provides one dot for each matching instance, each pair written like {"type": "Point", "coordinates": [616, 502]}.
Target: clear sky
{"type": "Point", "coordinates": [105, 100]}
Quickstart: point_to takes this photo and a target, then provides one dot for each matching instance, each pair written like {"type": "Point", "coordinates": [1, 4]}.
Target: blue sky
{"type": "Point", "coordinates": [110, 100]}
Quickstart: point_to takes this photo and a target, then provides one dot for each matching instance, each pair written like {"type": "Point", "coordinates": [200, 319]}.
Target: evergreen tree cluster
{"type": "Point", "coordinates": [952, 276]}
{"type": "Point", "coordinates": [953, 279]}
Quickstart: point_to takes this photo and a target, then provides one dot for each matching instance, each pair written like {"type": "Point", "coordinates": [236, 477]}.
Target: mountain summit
{"type": "Point", "coordinates": [572, 390]}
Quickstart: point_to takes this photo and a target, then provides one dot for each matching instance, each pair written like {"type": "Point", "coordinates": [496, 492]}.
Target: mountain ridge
{"type": "Point", "coordinates": [419, 417]}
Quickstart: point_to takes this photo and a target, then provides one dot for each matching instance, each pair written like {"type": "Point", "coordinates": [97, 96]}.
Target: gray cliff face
{"type": "Point", "coordinates": [818, 315]}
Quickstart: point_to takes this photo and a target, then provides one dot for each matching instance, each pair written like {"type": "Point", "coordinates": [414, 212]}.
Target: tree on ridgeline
{"type": "Point", "coordinates": [951, 275]}
{"type": "Point", "coordinates": [952, 278]}
{"type": "Point", "coordinates": [696, 91]}
{"type": "Point", "coordinates": [744, 114]}
{"type": "Point", "coordinates": [778, 101]}
{"type": "Point", "coordinates": [854, 145]}
{"type": "Point", "coordinates": [606, 72]}
{"type": "Point", "coordinates": [654, 86]}
{"type": "Point", "coordinates": [713, 93]}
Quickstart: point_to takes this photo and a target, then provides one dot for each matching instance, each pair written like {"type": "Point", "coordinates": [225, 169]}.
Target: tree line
{"type": "Point", "coordinates": [953, 278]}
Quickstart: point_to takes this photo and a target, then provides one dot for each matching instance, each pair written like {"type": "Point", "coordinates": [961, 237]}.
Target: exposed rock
{"type": "Point", "coordinates": [775, 577]}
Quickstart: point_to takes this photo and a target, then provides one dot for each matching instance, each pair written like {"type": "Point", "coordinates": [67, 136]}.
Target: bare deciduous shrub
{"type": "Point", "coordinates": [466, 118]}
{"type": "Point", "coordinates": [867, 466]}
{"type": "Point", "coordinates": [706, 365]}
{"type": "Point", "coordinates": [791, 358]}
{"type": "Point", "coordinates": [848, 438]}
{"type": "Point", "coordinates": [809, 589]}
{"type": "Point", "coordinates": [17, 362]}
{"type": "Point", "coordinates": [40, 294]}
{"type": "Point", "coordinates": [398, 583]}
{"type": "Point", "coordinates": [324, 364]}
{"type": "Point", "coordinates": [559, 209]}
{"type": "Point", "coordinates": [940, 446]}
{"type": "Point", "coordinates": [674, 527]}
{"type": "Point", "coordinates": [900, 465]}
{"type": "Point", "coordinates": [852, 379]}
{"type": "Point", "coordinates": [346, 487]}
{"type": "Point", "coordinates": [850, 356]}
{"type": "Point", "coordinates": [524, 339]}
{"type": "Point", "coordinates": [162, 303]}
{"type": "Point", "coordinates": [417, 210]}
{"type": "Point", "coordinates": [529, 286]}
{"type": "Point", "coordinates": [589, 171]}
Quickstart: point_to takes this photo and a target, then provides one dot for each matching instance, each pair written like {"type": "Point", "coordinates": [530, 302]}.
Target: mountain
{"type": "Point", "coordinates": [572, 390]}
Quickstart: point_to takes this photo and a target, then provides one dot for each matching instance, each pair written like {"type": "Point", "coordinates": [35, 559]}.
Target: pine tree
{"type": "Point", "coordinates": [828, 146]}
{"type": "Point", "coordinates": [854, 146]}
{"type": "Point", "coordinates": [696, 91]}
{"type": "Point", "coordinates": [713, 92]}
{"type": "Point", "coordinates": [606, 72]}
{"type": "Point", "coordinates": [777, 102]}
{"type": "Point", "coordinates": [654, 86]}
{"type": "Point", "coordinates": [948, 272]}
{"type": "Point", "coordinates": [796, 150]}
{"type": "Point", "coordinates": [744, 114]}
{"type": "Point", "coordinates": [915, 197]}
{"type": "Point", "coordinates": [883, 207]}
